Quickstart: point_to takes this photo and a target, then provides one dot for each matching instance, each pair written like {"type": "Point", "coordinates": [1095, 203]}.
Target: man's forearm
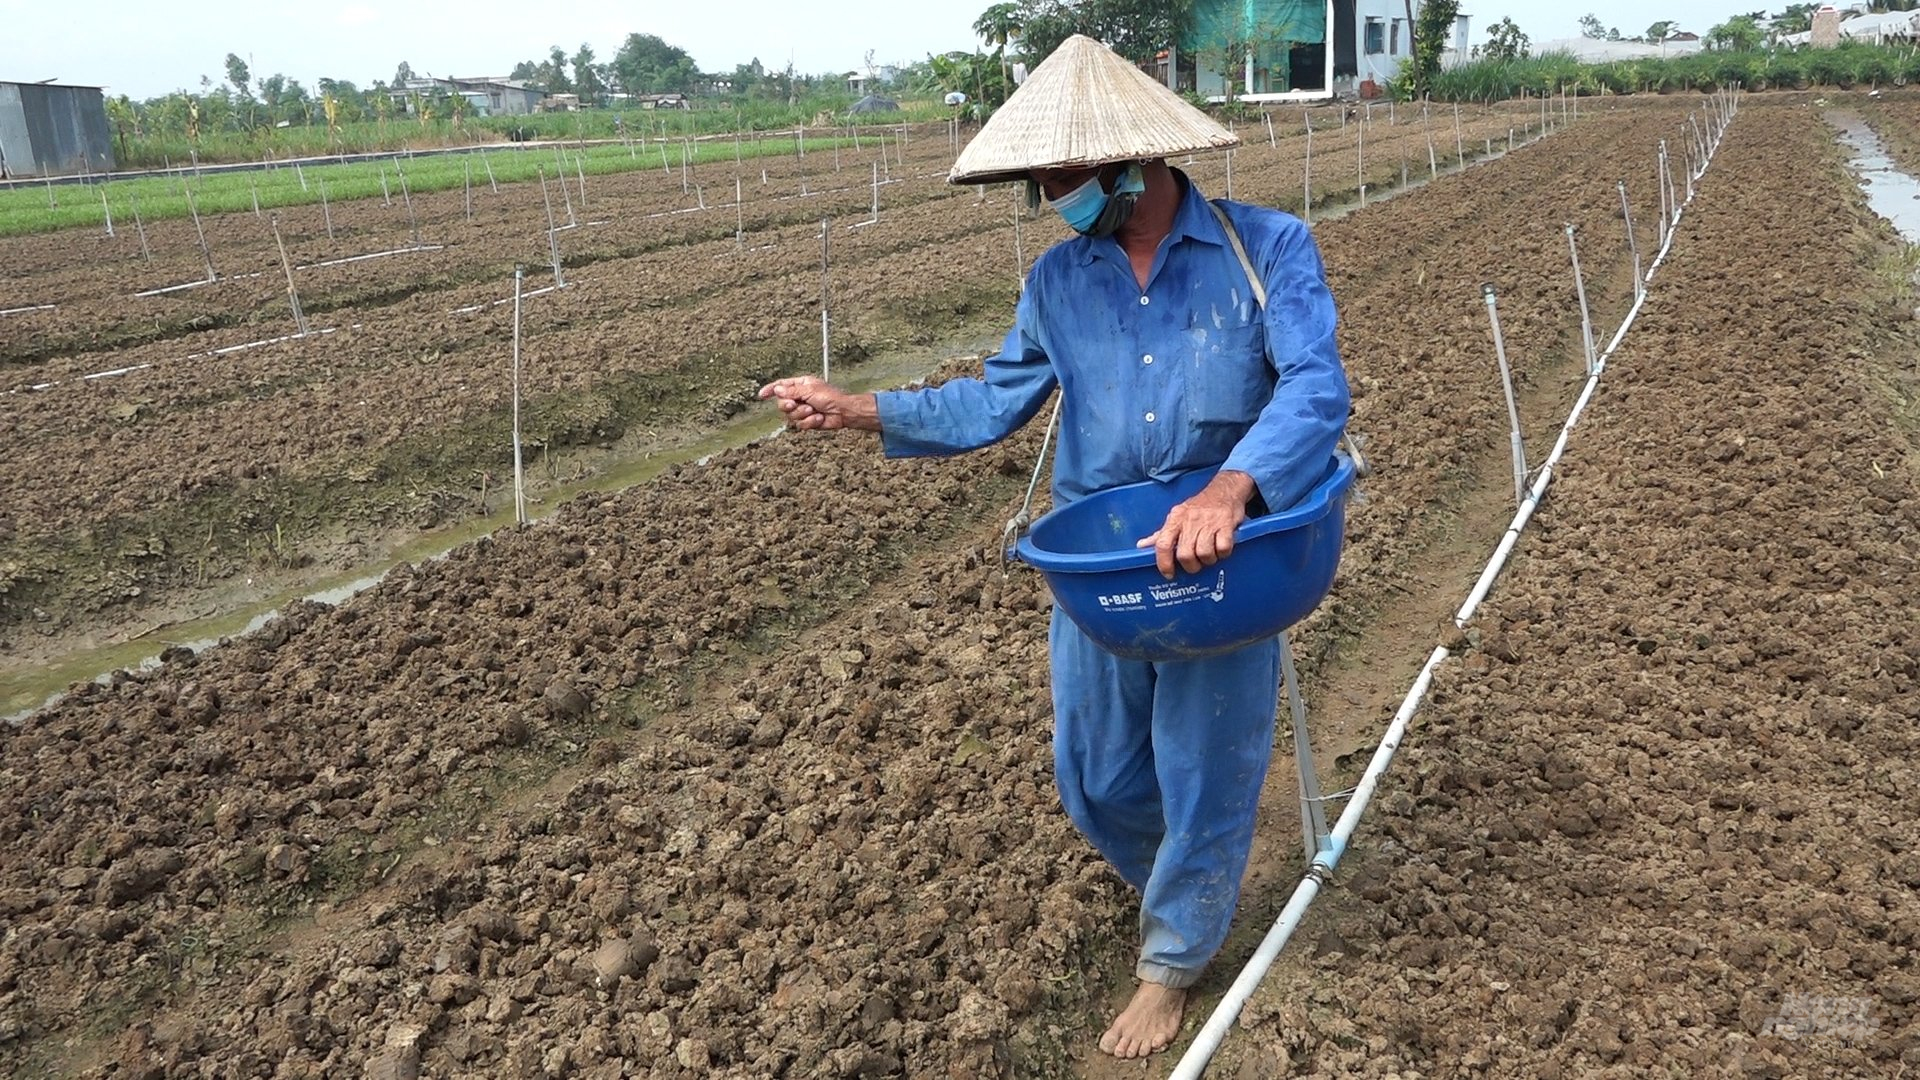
{"type": "Point", "coordinates": [1234, 483]}
{"type": "Point", "coordinates": [863, 412]}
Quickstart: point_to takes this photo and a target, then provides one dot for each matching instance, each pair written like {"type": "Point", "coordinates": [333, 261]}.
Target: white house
{"type": "Point", "coordinates": [1297, 50]}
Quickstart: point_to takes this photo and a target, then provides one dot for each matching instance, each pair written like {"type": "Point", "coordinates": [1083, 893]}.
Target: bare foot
{"type": "Point", "coordinates": [1148, 1024]}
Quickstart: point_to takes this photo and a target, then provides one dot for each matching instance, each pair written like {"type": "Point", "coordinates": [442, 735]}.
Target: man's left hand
{"type": "Point", "coordinates": [1199, 532]}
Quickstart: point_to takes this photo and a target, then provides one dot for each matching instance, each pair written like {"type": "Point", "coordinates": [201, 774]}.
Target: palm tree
{"type": "Point", "coordinates": [999, 25]}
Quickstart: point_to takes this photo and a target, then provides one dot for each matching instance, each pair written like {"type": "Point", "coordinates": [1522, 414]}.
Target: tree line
{"type": "Point", "coordinates": [644, 64]}
{"type": "Point", "coordinates": [1740, 33]}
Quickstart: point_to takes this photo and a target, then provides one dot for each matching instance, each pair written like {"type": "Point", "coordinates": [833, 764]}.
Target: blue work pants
{"type": "Point", "coordinates": [1161, 765]}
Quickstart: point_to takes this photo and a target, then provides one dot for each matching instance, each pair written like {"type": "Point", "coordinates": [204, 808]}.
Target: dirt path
{"type": "Point", "coordinates": [1660, 819]}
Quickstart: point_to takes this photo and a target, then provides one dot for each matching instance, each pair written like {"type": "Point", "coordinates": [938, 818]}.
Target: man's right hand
{"type": "Point", "coordinates": [811, 404]}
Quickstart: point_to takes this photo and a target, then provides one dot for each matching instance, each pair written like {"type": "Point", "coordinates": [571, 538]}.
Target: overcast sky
{"type": "Point", "coordinates": [147, 48]}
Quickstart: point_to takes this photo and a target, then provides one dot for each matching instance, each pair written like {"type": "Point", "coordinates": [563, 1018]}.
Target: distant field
{"type": "Point", "coordinates": [31, 208]}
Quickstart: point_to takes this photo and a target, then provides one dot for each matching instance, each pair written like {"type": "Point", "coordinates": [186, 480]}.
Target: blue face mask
{"type": "Point", "coordinates": [1091, 211]}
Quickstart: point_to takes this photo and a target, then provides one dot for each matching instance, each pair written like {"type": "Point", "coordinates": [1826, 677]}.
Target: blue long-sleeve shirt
{"type": "Point", "coordinates": [1184, 374]}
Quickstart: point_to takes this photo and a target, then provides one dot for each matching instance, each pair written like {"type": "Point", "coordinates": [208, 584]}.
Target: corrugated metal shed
{"type": "Point", "coordinates": [52, 130]}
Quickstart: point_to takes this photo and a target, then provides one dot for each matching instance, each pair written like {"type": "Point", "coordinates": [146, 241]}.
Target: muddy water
{"type": "Point", "coordinates": [1893, 194]}
{"type": "Point", "coordinates": [24, 690]}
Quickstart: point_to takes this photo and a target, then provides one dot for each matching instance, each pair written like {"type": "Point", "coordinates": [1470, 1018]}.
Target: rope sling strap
{"type": "Point", "coordinates": [1019, 522]}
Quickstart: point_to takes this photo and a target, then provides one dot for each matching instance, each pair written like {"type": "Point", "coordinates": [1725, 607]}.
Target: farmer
{"type": "Point", "coordinates": [1166, 364]}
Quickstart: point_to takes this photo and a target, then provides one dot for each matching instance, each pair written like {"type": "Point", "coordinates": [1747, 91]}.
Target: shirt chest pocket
{"type": "Point", "coordinates": [1228, 378]}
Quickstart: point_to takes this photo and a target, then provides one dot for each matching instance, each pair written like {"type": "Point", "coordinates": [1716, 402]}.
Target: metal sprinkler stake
{"type": "Point", "coordinates": [1633, 243]}
{"type": "Point", "coordinates": [146, 253]}
{"type": "Point", "coordinates": [413, 223]}
{"type": "Point", "coordinates": [205, 253]}
{"type": "Point", "coordinates": [293, 295]}
{"type": "Point", "coordinates": [1659, 169]}
{"type": "Point", "coordinates": [553, 242]}
{"type": "Point", "coordinates": [1314, 834]}
{"type": "Point", "coordinates": [1306, 207]}
{"type": "Point", "coordinates": [519, 473]}
{"type": "Point", "coordinates": [1586, 318]}
{"type": "Point", "coordinates": [1513, 408]}
{"type": "Point", "coordinates": [826, 350]}
{"type": "Point", "coordinates": [1019, 255]}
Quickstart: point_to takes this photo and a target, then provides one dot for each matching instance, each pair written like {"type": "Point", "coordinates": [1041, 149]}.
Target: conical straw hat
{"type": "Point", "coordinates": [1085, 105]}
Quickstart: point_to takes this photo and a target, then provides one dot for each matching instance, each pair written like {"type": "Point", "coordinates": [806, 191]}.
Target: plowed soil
{"type": "Point", "coordinates": [174, 452]}
{"type": "Point", "coordinates": [1660, 819]}
{"type": "Point", "coordinates": [745, 771]}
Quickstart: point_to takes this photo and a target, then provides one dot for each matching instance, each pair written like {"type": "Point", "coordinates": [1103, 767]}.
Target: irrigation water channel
{"type": "Point", "coordinates": [1893, 194]}
{"type": "Point", "coordinates": [26, 689]}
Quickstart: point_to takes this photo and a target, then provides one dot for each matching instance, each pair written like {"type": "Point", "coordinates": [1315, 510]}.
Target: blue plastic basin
{"type": "Point", "coordinates": [1281, 568]}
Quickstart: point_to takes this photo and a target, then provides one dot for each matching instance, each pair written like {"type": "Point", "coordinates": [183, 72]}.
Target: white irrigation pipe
{"type": "Point", "coordinates": [29, 308]}
{"type": "Point", "coordinates": [370, 255]}
{"type": "Point", "coordinates": [530, 294]}
{"type": "Point", "coordinates": [1220, 1022]}
{"type": "Point", "coordinates": [202, 283]}
{"type": "Point", "coordinates": [116, 372]}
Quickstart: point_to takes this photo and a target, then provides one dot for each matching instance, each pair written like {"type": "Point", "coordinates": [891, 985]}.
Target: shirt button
{"type": "Point", "coordinates": [1149, 418]}
{"type": "Point", "coordinates": [1143, 301]}
{"type": "Point", "coordinates": [1147, 359]}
